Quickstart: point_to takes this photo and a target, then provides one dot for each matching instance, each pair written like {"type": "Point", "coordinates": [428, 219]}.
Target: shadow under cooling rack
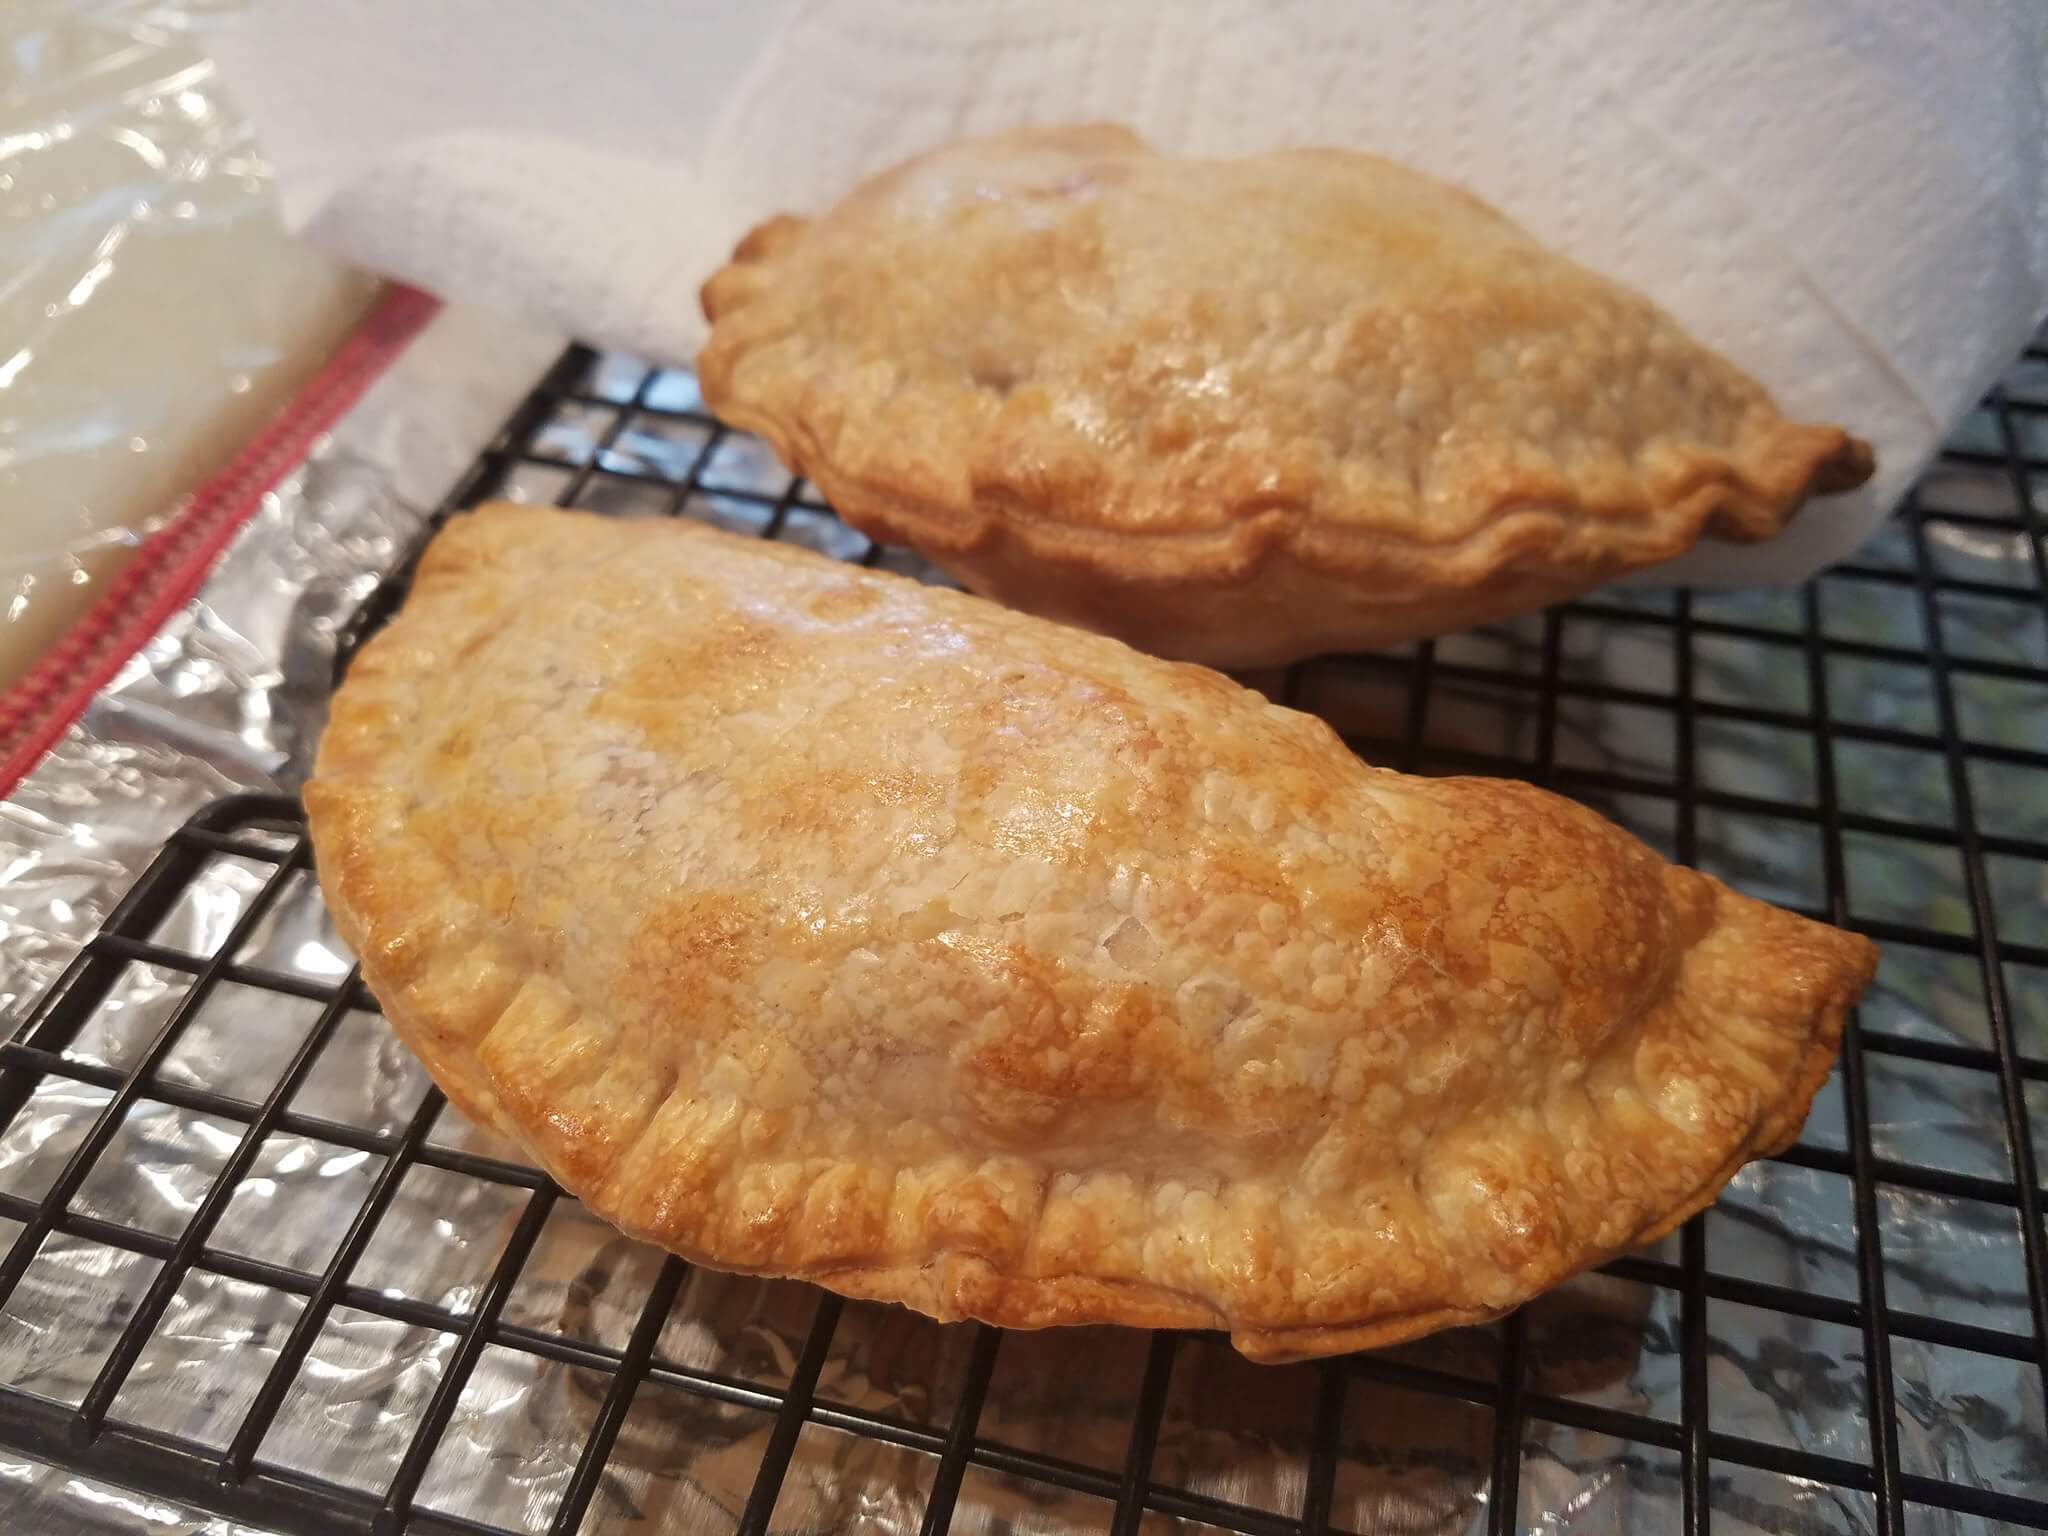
{"type": "Point", "coordinates": [254, 1264]}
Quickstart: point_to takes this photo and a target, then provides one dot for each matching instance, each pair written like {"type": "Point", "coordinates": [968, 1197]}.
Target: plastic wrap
{"type": "Point", "coordinates": [154, 311]}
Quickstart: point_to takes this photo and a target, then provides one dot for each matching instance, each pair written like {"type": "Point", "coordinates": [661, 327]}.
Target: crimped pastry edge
{"type": "Point", "coordinates": [367, 881]}
{"type": "Point", "coordinates": [956, 1285]}
{"type": "Point", "coordinates": [1527, 546]}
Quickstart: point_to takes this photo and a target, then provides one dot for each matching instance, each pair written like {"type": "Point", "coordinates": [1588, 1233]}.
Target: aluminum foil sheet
{"type": "Point", "coordinates": [35, 1498]}
{"type": "Point", "coordinates": [230, 696]}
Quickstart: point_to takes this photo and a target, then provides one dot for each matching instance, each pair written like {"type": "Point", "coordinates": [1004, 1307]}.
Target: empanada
{"type": "Point", "coordinates": [1239, 411]}
{"type": "Point", "coordinates": [812, 922]}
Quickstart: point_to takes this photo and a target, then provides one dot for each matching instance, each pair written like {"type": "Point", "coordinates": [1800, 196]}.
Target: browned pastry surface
{"type": "Point", "coordinates": [1238, 410]}
{"type": "Point", "coordinates": [812, 922]}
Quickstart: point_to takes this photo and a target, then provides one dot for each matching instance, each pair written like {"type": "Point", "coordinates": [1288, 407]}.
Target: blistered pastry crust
{"type": "Point", "coordinates": [1238, 410]}
{"type": "Point", "coordinates": [811, 922]}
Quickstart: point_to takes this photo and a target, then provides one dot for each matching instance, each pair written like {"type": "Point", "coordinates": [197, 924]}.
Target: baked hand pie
{"type": "Point", "coordinates": [1239, 411]}
{"type": "Point", "coordinates": [811, 922]}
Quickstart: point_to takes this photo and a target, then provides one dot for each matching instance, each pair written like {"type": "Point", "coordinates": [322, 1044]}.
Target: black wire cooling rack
{"type": "Point", "coordinates": [1851, 1340]}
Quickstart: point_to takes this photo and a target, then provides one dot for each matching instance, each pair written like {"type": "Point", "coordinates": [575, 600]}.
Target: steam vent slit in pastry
{"type": "Point", "coordinates": [1238, 411]}
{"type": "Point", "coordinates": [808, 921]}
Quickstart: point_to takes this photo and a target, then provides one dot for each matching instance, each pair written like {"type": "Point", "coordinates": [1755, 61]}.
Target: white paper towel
{"type": "Point", "coordinates": [1845, 196]}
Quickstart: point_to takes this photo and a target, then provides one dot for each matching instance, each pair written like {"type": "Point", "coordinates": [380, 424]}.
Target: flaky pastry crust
{"type": "Point", "coordinates": [811, 922]}
{"type": "Point", "coordinates": [1239, 411]}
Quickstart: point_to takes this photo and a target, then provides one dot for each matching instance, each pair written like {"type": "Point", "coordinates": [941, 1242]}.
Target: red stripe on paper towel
{"type": "Point", "coordinates": [174, 560]}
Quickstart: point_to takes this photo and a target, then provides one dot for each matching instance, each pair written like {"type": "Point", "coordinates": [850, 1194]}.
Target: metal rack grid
{"type": "Point", "coordinates": [1873, 748]}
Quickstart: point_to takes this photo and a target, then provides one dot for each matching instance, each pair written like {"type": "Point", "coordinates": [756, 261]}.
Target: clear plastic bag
{"type": "Point", "coordinates": [152, 311]}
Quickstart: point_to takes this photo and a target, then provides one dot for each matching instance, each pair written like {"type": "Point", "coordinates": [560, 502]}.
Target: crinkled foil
{"type": "Point", "coordinates": [35, 1498]}
{"type": "Point", "coordinates": [230, 696]}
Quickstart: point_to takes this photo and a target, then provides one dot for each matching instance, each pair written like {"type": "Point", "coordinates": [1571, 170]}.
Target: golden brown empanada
{"type": "Point", "coordinates": [1239, 411]}
{"type": "Point", "coordinates": [813, 922]}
